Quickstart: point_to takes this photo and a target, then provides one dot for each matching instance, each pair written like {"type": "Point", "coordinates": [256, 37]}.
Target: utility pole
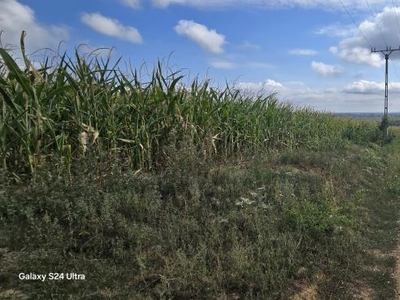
{"type": "Point", "coordinates": [386, 52]}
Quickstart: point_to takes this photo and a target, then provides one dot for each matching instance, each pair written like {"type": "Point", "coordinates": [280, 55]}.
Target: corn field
{"type": "Point", "coordinates": [74, 105]}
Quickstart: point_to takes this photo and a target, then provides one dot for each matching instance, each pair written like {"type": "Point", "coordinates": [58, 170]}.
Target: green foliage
{"type": "Point", "coordinates": [84, 103]}
{"type": "Point", "coordinates": [158, 190]}
{"type": "Point", "coordinates": [362, 133]}
{"type": "Point", "coordinates": [195, 229]}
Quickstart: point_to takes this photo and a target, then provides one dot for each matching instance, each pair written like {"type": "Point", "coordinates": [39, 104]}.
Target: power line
{"type": "Point", "coordinates": [395, 13]}
{"type": "Point", "coordinates": [398, 27]}
{"type": "Point", "coordinates": [355, 24]}
{"type": "Point", "coordinates": [386, 52]}
{"type": "Point", "coordinates": [373, 14]}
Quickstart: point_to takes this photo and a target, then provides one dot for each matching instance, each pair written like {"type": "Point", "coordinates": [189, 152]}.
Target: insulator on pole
{"type": "Point", "coordinates": [386, 53]}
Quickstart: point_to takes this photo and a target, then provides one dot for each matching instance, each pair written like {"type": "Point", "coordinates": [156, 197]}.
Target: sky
{"type": "Point", "coordinates": [311, 53]}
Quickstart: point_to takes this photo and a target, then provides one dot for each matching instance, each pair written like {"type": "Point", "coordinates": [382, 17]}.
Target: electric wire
{"type": "Point", "coordinates": [395, 13]}
{"type": "Point", "coordinates": [355, 24]}
{"type": "Point", "coordinates": [381, 32]}
{"type": "Point", "coordinates": [373, 14]}
{"type": "Point", "coordinates": [398, 27]}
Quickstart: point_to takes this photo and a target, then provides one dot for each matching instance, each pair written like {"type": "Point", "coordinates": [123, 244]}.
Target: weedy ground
{"type": "Point", "coordinates": [274, 226]}
{"type": "Point", "coordinates": [188, 193]}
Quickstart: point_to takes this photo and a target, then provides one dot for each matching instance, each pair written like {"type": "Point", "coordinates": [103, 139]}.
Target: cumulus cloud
{"type": "Point", "coordinates": [208, 39]}
{"type": "Point", "coordinates": [16, 17]}
{"type": "Point", "coordinates": [371, 87]}
{"type": "Point", "coordinates": [258, 88]}
{"type": "Point", "coordinates": [380, 31]}
{"type": "Point", "coordinates": [112, 27]}
{"type": "Point", "coordinates": [273, 83]}
{"type": "Point", "coordinates": [305, 52]}
{"type": "Point", "coordinates": [293, 92]}
{"type": "Point", "coordinates": [361, 96]}
{"type": "Point", "coordinates": [362, 56]}
{"type": "Point", "coordinates": [327, 70]}
{"type": "Point", "coordinates": [135, 4]}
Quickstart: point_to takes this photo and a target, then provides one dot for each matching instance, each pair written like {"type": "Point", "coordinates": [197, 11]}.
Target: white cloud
{"type": "Point", "coordinates": [229, 65]}
{"type": "Point", "coordinates": [371, 87]}
{"type": "Point", "coordinates": [208, 39]}
{"type": "Point", "coordinates": [326, 4]}
{"type": "Point", "coordinates": [16, 17]}
{"type": "Point", "coordinates": [333, 50]}
{"type": "Point", "coordinates": [327, 70]}
{"type": "Point", "coordinates": [249, 46]}
{"type": "Point", "coordinates": [360, 96]}
{"type": "Point", "coordinates": [362, 56]}
{"type": "Point", "coordinates": [273, 83]}
{"type": "Point", "coordinates": [135, 4]}
{"type": "Point", "coordinates": [336, 30]}
{"type": "Point", "coordinates": [259, 88]}
{"type": "Point", "coordinates": [258, 65]}
{"type": "Point", "coordinates": [165, 3]}
{"type": "Point", "coordinates": [305, 52]}
{"type": "Point", "coordinates": [381, 31]}
{"type": "Point", "coordinates": [295, 93]}
{"type": "Point", "coordinates": [112, 27]}
{"type": "Point", "coordinates": [222, 64]}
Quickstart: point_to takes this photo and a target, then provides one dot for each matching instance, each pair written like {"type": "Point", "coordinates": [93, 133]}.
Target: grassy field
{"type": "Point", "coordinates": [119, 188]}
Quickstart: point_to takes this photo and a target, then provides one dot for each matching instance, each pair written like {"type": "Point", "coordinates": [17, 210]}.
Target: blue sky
{"type": "Point", "coordinates": [313, 53]}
